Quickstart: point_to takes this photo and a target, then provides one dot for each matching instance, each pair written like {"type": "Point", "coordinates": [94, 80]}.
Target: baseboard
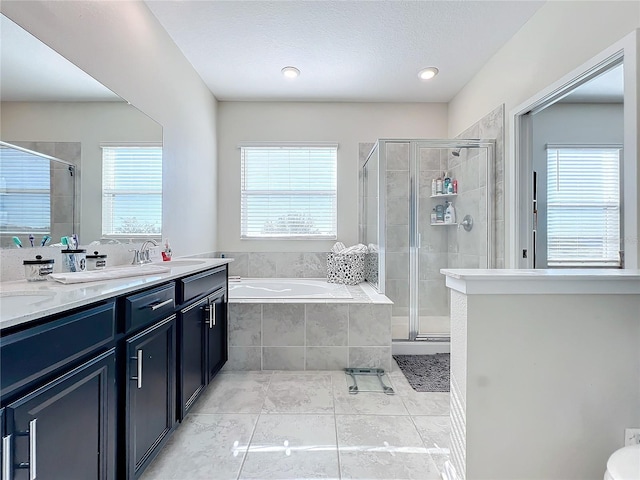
{"type": "Point", "coordinates": [399, 347]}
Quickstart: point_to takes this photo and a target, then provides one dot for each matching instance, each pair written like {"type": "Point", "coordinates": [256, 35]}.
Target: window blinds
{"type": "Point", "coordinates": [25, 192]}
{"type": "Point", "coordinates": [583, 207]}
{"type": "Point", "coordinates": [288, 192]}
{"type": "Point", "coordinates": [131, 191]}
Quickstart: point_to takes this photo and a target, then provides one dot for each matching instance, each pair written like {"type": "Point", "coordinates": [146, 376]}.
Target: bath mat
{"type": "Point", "coordinates": [426, 373]}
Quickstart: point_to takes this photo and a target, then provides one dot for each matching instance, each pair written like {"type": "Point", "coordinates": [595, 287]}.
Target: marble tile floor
{"type": "Point", "coordinates": [303, 425]}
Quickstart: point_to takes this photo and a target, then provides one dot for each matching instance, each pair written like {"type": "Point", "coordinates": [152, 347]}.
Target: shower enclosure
{"type": "Point", "coordinates": [407, 248]}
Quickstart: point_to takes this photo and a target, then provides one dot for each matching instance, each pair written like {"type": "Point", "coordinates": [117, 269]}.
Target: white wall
{"type": "Point", "coordinates": [560, 37]}
{"type": "Point", "coordinates": [122, 45]}
{"type": "Point", "coordinates": [548, 383]}
{"type": "Point", "coordinates": [575, 124]}
{"type": "Point", "coordinates": [344, 123]}
{"type": "Point", "coordinates": [89, 123]}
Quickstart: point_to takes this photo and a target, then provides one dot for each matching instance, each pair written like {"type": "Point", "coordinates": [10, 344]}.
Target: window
{"type": "Point", "coordinates": [583, 207]}
{"type": "Point", "coordinates": [288, 191]}
{"type": "Point", "coordinates": [25, 192]}
{"type": "Point", "coordinates": [131, 191]}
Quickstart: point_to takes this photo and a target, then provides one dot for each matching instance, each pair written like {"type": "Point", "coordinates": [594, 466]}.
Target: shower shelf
{"type": "Point", "coordinates": [444, 195]}
{"type": "Point", "coordinates": [442, 224]}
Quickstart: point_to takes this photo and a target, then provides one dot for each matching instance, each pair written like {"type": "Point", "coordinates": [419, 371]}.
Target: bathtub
{"type": "Point", "coordinates": [282, 288]}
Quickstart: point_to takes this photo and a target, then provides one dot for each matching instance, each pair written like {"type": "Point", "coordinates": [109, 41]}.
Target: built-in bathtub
{"type": "Point", "coordinates": [307, 324]}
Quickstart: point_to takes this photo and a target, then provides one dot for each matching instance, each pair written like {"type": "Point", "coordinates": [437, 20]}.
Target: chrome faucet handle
{"type": "Point", "coordinates": [136, 257]}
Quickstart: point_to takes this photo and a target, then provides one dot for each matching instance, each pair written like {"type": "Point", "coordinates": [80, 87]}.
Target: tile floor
{"type": "Point", "coordinates": [300, 425]}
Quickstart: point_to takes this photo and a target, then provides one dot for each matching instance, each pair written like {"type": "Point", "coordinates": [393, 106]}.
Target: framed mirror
{"type": "Point", "coordinates": [52, 108]}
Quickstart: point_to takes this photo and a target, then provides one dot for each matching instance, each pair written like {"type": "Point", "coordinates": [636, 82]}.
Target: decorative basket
{"type": "Point", "coordinates": [345, 268]}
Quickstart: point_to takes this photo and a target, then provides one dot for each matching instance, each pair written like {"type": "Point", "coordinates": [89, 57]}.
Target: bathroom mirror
{"type": "Point", "coordinates": [51, 107]}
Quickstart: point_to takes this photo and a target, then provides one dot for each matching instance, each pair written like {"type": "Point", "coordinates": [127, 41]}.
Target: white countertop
{"type": "Point", "coordinates": [53, 297]}
{"type": "Point", "coordinates": [543, 281]}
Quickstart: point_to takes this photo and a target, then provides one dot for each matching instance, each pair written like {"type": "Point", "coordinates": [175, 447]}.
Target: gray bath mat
{"type": "Point", "coordinates": [426, 373]}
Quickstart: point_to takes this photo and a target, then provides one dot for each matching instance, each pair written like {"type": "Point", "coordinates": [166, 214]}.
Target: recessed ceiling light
{"type": "Point", "coordinates": [428, 73]}
{"type": "Point", "coordinates": [290, 72]}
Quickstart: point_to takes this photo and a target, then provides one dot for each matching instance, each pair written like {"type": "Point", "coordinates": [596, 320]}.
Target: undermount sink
{"type": "Point", "coordinates": [12, 300]}
{"type": "Point", "coordinates": [184, 263]}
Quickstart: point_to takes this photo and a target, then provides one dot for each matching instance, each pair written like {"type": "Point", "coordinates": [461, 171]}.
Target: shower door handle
{"type": "Point", "coordinates": [419, 245]}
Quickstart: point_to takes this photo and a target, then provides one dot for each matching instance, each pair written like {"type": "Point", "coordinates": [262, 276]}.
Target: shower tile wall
{"type": "Point", "coordinates": [491, 126]}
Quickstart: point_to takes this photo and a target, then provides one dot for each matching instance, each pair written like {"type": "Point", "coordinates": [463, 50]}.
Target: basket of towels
{"type": "Point", "coordinates": [346, 265]}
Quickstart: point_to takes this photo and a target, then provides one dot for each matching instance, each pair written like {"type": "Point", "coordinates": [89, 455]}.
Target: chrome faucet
{"type": "Point", "coordinates": [140, 257]}
{"type": "Point", "coordinates": [144, 250]}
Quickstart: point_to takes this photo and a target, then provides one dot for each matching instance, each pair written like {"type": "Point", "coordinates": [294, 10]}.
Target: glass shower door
{"type": "Point", "coordinates": [438, 242]}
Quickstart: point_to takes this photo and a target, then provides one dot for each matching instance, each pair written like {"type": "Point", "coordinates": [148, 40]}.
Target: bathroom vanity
{"type": "Point", "coordinates": [94, 377]}
{"type": "Point", "coordinates": [545, 370]}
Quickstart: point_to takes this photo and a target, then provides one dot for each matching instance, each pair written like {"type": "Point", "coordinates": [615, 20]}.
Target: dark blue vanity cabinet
{"type": "Point", "coordinates": [150, 374]}
{"type": "Point", "coordinates": [217, 351]}
{"type": "Point", "coordinates": [95, 392]}
{"type": "Point", "coordinates": [202, 328]}
{"type": "Point", "coordinates": [58, 389]}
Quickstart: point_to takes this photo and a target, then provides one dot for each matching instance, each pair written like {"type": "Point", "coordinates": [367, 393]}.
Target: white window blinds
{"type": "Point", "coordinates": [25, 192]}
{"type": "Point", "coordinates": [288, 191]}
{"type": "Point", "coordinates": [131, 191]}
{"type": "Point", "coordinates": [583, 207]}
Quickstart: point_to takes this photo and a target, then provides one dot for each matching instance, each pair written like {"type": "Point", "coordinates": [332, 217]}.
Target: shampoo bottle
{"type": "Point", "coordinates": [439, 186]}
{"type": "Point", "coordinates": [434, 187]}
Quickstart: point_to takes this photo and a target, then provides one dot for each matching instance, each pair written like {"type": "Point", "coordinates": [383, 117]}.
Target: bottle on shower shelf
{"type": "Point", "coordinates": [446, 183]}
{"type": "Point", "coordinates": [450, 213]}
{"type": "Point", "coordinates": [455, 186]}
{"type": "Point", "coordinates": [439, 186]}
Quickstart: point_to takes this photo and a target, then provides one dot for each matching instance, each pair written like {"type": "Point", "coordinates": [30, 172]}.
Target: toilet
{"type": "Point", "coordinates": [624, 464]}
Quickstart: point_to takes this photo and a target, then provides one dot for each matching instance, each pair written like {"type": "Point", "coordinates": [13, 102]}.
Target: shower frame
{"type": "Point", "coordinates": [414, 214]}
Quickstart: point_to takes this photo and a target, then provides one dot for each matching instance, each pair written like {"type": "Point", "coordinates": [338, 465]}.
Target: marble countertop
{"type": "Point", "coordinates": [543, 281]}
{"type": "Point", "coordinates": [26, 301]}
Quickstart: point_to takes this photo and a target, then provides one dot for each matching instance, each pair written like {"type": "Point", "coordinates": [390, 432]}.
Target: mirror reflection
{"type": "Point", "coordinates": [51, 107]}
{"type": "Point", "coordinates": [37, 197]}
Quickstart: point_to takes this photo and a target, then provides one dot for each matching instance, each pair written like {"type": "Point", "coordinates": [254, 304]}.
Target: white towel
{"type": "Point", "coordinates": [338, 247]}
{"type": "Point", "coordinates": [359, 248]}
{"type": "Point", "coordinates": [109, 273]}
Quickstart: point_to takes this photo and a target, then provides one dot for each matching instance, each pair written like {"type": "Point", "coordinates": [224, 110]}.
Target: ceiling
{"type": "Point", "coordinates": [346, 50]}
{"type": "Point", "coordinates": [362, 51]}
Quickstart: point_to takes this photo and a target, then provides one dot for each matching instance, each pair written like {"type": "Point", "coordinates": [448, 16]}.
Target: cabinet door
{"type": "Point", "coordinates": [151, 392]}
{"type": "Point", "coordinates": [66, 429]}
{"type": "Point", "coordinates": [192, 370]}
{"type": "Point", "coordinates": [217, 336]}
{"type": "Point", "coordinates": [5, 449]}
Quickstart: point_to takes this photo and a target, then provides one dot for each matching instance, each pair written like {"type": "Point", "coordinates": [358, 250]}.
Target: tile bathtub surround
{"type": "Point", "coordinates": [285, 425]}
{"type": "Point", "coordinates": [277, 264]}
{"type": "Point", "coordinates": [308, 336]}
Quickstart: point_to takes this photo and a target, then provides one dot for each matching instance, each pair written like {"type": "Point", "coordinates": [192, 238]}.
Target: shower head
{"type": "Point", "coordinates": [456, 153]}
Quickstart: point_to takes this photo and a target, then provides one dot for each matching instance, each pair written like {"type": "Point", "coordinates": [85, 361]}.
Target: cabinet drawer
{"type": "Point", "coordinates": [150, 306]}
{"type": "Point", "coordinates": [201, 283]}
{"type": "Point", "coordinates": [28, 355]}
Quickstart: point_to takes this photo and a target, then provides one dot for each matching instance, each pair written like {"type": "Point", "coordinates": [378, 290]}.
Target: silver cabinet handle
{"type": "Point", "coordinates": [210, 320]}
{"type": "Point", "coordinates": [138, 359]}
{"type": "Point", "coordinates": [156, 306]}
{"type": "Point", "coordinates": [32, 449]}
{"type": "Point", "coordinates": [6, 458]}
{"type": "Point", "coordinates": [213, 310]}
